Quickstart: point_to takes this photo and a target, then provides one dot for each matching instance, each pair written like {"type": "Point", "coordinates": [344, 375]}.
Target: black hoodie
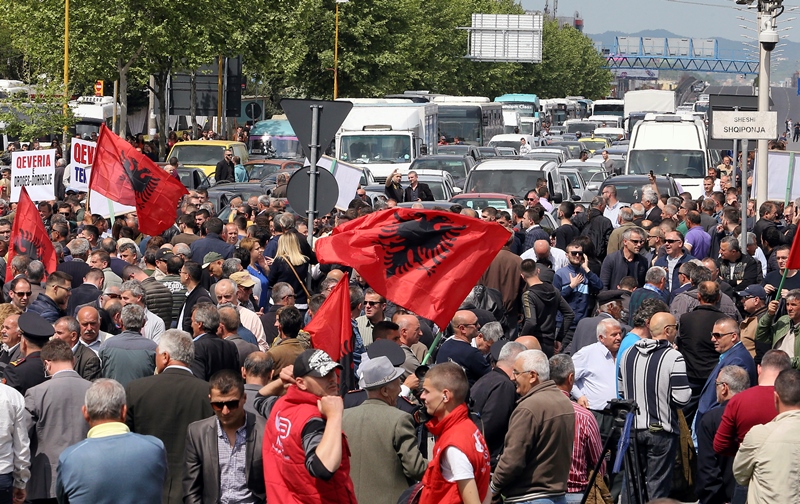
{"type": "Point", "coordinates": [541, 303]}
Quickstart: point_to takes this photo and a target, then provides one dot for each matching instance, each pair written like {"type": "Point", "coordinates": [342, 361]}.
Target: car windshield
{"type": "Point", "coordinates": [368, 148]}
{"type": "Point", "coordinates": [460, 149]}
{"type": "Point", "coordinates": [198, 154]}
{"type": "Point", "coordinates": [454, 167]}
{"type": "Point", "coordinates": [259, 171]}
{"type": "Point", "coordinates": [632, 192]}
{"type": "Point", "coordinates": [594, 144]}
{"type": "Point", "coordinates": [513, 144]}
{"type": "Point", "coordinates": [481, 203]}
{"type": "Point", "coordinates": [678, 163]}
{"type": "Point", "coordinates": [436, 186]}
{"type": "Point", "coordinates": [574, 149]}
{"type": "Point", "coordinates": [514, 182]}
{"type": "Point", "coordinates": [583, 127]}
{"type": "Point", "coordinates": [276, 147]}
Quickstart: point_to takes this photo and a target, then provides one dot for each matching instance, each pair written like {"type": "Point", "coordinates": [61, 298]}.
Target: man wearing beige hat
{"type": "Point", "coordinates": [383, 445]}
{"type": "Point", "coordinates": [231, 291]}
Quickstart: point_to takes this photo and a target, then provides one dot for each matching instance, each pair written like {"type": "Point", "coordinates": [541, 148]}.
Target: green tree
{"type": "Point", "coordinates": [43, 115]}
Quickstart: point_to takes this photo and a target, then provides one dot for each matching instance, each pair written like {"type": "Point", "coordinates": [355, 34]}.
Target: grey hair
{"type": "Point", "coordinates": [280, 290]}
{"type": "Point", "coordinates": [35, 271]}
{"type": "Point", "coordinates": [561, 366]}
{"type": "Point", "coordinates": [207, 316]}
{"type": "Point", "coordinates": [626, 235]}
{"type": "Point", "coordinates": [751, 238]}
{"type": "Point", "coordinates": [133, 317]}
{"type": "Point", "coordinates": [733, 243]}
{"type": "Point", "coordinates": [104, 399]}
{"type": "Point", "coordinates": [229, 282]}
{"type": "Point", "coordinates": [79, 247]}
{"type": "Point", "coordinates": [650, 195]}
{"type": "Point", "coordinates": [264, 200]}
{"type": "Point", "coordinates": [655, 275]}
{"type": "Point", "coordinates": [178, 344]}
{"type": "Point", "coordinates": [231, 266]}
{"type": "Point", "coordinates": [208, 205]}
{"type": "Point", "coordinates": [793, 294]}
{"type": "Point", "coordinates": [72, 324]}
{"type": "Point", "coordinates": [510, 351]}
{"type": "Point", "coordinates": [735, 377]}
{"type": "Point", "coordinates": [328, 283]}
{"type": "Point", "coordinates": [131, 247]}
{"type": "Point", "coordinates": [606, 325]}
{"type": "Point", "coordinates": [492, 331]}
{"type": "Point", "coordinates": [535, 360]}
{"type": "Point", "coordinates": [286, 221]}
{"type": "Point", "coordinates": [182, 248]}
{"type": "Point", "coordinates": [135, 287]}
{"type": "Point", "coordinates": [637, 209]}
{"type": "Point", "coordinates": [626, 214]}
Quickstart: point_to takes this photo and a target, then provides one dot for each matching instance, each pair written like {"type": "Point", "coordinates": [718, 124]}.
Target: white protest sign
{"type": "Point", "coordinates": [347, 176]}
{"type": "Point", "coordinates": [81, 166]}
{"type": "Point", "coordinates": [34, 170]}
{"type": "Point", "coordinates": [98, 204]}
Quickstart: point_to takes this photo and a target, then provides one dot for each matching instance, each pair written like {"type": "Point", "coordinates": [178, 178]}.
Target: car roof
{"type": "Point", "coordinates": [577, 163]}
{"type": "Point", "coordinates": [213, 143]}
{"type": "Point", "coordinates": [481, 195]}
{"type": "Point", "coordinates": [441, 157]}
{"type": "Point", "coordinates": [512, 163]}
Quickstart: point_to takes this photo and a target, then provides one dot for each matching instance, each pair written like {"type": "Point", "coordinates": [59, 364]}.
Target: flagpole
{"type": "Point", "coordinates": [432, 348]}
{"type": "Point", "coordinates": [789, 182]}
{"type": "Point", "coordinates": [780, 285]}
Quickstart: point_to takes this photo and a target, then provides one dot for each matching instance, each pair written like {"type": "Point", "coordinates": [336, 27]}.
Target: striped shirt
{"type": "Point", "coordinates": [232, 461]}
{"type": "Point", "coordinates": [586, 449]}
{"type": "Point", "coordinates": [653, 374]}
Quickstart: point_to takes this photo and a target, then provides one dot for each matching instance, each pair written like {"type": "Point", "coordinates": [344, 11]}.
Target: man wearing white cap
{"type": "Point", "coordinates": [383, 444]}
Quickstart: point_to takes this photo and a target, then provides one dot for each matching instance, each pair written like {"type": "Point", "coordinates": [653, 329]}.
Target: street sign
{"type": "Point", "coordinates": [738, 125]}
{"type": "Point", "coordinates": [719, 102]}
{"type": "Point", "coordinates": [98, 88]}
{"type": "Point", "coordinates": [297, 192]}
{"type": "Point", "coordinates": [253, 110]}
{"type": "Point", "coordinates": [331, 116]}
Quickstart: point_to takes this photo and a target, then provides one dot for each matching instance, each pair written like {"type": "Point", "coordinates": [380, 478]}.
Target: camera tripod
{"type": "Point", "coordinates": [627, 458]}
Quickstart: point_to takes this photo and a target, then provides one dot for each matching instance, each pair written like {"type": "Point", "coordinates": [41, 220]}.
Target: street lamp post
{"type": "Point", "coordinates": [66, 66]}
{"type": "Point", "coordinates": [336, 52]}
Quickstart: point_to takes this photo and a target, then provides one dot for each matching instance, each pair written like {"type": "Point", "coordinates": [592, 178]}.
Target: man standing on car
{"type": "Point", "coordinates": [224, 170]}
{"type": "Point", "coordinates": [417, 191]}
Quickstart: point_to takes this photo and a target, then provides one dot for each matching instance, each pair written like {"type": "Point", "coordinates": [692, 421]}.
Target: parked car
{"type": "Point", "coordinates": [205, 154]}
{"type": "Point", "coordinates": [575, 182]}
{"type": "Point", "coordinates": [260, 168]}
{"type": "Point", "coordinates": [506, 151]}
{"type": "Point", "coordinates": [195, 178]}
{"type": "Point", "coordinates": [457, 166]}
{"type": "Point", "coordinates": [479, 201]}
{"type": "Point", "coordinates": [630, 187]}
{"type": "Point", "coordinates": [514, 176]}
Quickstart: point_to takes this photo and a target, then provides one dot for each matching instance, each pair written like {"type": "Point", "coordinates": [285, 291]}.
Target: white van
{"type": "Point", "coordinates": [669, 144]}
{"type": "Point", "coordinates": [514, 176]}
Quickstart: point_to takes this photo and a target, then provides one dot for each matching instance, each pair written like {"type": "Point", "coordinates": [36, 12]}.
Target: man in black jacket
{"type": "Point", "coordinates": [540, 302]}
{"type": "Point", "coordinates": [211, 353]}
{"type": "Point", "coordinates": [597, 227]}
{"type": "Point", "coordinates": [417, 191]}
{"type": "Point", "coordinates": [224, 170]}
{"type": "Point", "coordinates": [191, 273]}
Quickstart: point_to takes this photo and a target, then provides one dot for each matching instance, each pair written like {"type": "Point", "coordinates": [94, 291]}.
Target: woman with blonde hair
{"type": "Point", "coordinates": [291, 266]}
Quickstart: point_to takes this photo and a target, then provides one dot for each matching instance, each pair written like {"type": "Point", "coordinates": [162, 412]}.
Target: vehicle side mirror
{"type": "Point", "coordinates": [558, 197]}
{"type": "Point", "coordinates": [423, 150]}
{"type": "Point", "coordinates": [575, 197]}
{"type": "Point", "coordinates": [457, 190]}
{"type": "Point", "coordinates": [592, 187]}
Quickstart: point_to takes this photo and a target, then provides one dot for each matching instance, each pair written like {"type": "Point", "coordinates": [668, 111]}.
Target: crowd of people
{"type": "Point", "coordinates": [176, 367]}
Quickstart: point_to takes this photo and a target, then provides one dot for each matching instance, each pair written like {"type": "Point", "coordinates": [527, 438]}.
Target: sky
{"type": "Point", "coordinates": [688, 18]}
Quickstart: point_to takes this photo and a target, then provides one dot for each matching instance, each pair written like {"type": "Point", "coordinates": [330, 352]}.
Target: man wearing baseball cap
{"type": "Point", "coordinates": [754, 304]}
{"type": "Point", "coordinates": [307, 457]}
{"type": "Point", "coordinates": [382, 437]}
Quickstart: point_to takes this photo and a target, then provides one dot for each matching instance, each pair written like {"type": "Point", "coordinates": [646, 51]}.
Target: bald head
{"type": "Point", "coordinates": [530, 342]}
{"type": "Point", "coordinates": [541, 248]}
{"type": "Point", "coordinates": [463, 317]}
{"type": "Point", "coordinates": [336, 274]}
{"type": "Point", "coordinates": [663, 326]}
{"type": "Point", "coordinates": [409, 329]}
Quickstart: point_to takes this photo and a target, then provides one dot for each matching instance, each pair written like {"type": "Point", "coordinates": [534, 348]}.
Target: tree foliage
{"type": "Point", "coordinates": [42, 115]}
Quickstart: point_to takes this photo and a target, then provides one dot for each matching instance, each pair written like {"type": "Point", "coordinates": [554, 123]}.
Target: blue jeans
{"type": "Point", "coordinates": [574, 498]}
{"type": "Point", "coordinates": [554, 500]}
{"type": "Point", "coordinates": [6, 488]}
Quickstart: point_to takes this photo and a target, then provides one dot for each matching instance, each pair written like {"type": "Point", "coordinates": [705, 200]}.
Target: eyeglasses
{"type": "Point", "coordinates": [231, 405]}
{"type": "Point", "coordinates": [637, 242]}
{"type": "Point", "coordinates": [717, 384]}
{"type": "Point", "coordinates": [68, 289]}
{"type": "Point", "coordinates": [671, 325]}
{"type": "Point", "coordinates": [530, 199]}
{"type": "Point", "coordinates": [372, 303]}
{"type": "Point", "coordinates": [477, 325]}
{"type": "Point", "coordinates": [575, 253]}
{"type": "Point", "coordinates": [113, 296]}
{"type": "Point", "coordinates": [517, 373]}
{"type": "Point", "coordinates": [716, 335]}
{"type": "Point", "coordinates": [23, 294]}
{"type": "Point", "coordinates": [672, 241]}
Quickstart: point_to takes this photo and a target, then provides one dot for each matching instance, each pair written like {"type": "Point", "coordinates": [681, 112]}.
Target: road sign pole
{"type": "Point", "coordinates": [743, 234]}
{"type": "Point", "coordinates": [763, 106]}
{"type": "Point", "coordinates": [312, 171]}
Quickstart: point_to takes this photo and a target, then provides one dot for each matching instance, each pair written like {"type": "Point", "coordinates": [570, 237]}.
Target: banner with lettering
{"type": "Point", "coordinates": [81, 166]}
{"type": "Point", "coordinates": [34, 170]}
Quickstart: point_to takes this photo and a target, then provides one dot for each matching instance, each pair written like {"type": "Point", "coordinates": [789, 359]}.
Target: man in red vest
{"type": "Point", "coordinates": [459, 470]}
{"type": "Point", "coordinates": [306, 457]}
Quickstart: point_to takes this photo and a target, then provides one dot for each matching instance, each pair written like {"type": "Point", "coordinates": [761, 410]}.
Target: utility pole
{"type": "Point", "coordinates": [768, 11]}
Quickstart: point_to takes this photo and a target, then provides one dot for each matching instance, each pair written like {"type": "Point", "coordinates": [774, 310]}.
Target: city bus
{"type": "Point", "coordinates": [516, 106]}
{"type": "Point", "coordinates": [472, 120]}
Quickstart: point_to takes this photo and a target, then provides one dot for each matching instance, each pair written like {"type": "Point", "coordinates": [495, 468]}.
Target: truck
{"type": "Point", "coordinates": [387, 134]}
{"type": "Point", "coordinates": [90, 112]}
{"type": "Point", "coordinates": [646, 101]}
{"type": "Point", "coordinates": [274, 138]}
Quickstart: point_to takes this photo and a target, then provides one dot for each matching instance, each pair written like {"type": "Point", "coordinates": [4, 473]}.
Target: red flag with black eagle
{"type": "Point", "coordinates": [330, 328]}
{"type": "Point", "coordinates": [794, 253]}
{"type": "Point", "coordinates": [125, 175]}
{"type": "Point", "coordinates": [29, 237]}
{"type": "Point", "coordinates": [424, 260]}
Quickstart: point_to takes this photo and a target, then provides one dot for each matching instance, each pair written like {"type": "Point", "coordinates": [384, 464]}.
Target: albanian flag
{"type": "Point", "coordinates": [424, 260]}
{"type": "Point", "coordinates": [125, 175]}
{"type": "Point", "coordinates": [794, 254]}
{"type": "Point", "coordinates": [29, 237]}
{"type": "Point", "coordinates": [330, 328]}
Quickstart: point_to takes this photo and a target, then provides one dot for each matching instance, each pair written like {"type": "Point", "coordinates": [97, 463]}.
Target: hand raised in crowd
{"type": "Point", "coordinates": [330, 406]}
{"type": "Point", "coordinates": [772, 307]}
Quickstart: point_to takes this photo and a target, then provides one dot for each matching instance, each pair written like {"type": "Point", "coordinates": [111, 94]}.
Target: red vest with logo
{"type": "Point", "coordinates": [459, 431]}
{"type": "Point", "coordinates": [287, 479]}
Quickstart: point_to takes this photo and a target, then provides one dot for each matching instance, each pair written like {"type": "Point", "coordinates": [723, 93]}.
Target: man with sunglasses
{"type": "Point", "coordinates": [20, 293]}
{"type": "Point", "coordinates": [627, 261]}
{"type": "Point", "coordinates": [577, 283]}
{"type": "Point", "coordinates": [51, 305]}
{"type": "Point", "coordinates": [675, 255]}
{"type": "Point", "coordinates": [459, 349]}
{"type": "Point", "coordinates": [224, 169]}
{"type": "Point", "coordinates": [163, 405]}
{"type": "Point", "coordinates": [223, 452]}
{"type": "Point", "coordinates": [374, 307]}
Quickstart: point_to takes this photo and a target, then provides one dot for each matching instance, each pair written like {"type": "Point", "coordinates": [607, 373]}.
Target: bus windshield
{"type": "Point", "coordinates": [678, 163]}
{"type": "Point", "coordinates": [276, 147]}
{"type": "Point", "coordinates": [608, 109]}
{"type": "Point", "coordinates": [376, 148]}
{"type": "Point", "coordinates": [462, 122]}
